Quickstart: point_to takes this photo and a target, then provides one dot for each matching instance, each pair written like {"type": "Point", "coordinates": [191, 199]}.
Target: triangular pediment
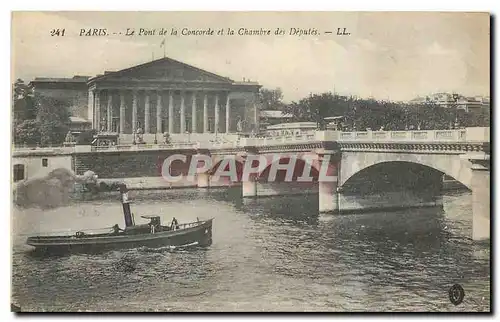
{"type": "Point", "coordinates": [165, 69]}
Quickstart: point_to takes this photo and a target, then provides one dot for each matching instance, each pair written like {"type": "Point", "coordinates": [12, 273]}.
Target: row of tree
{"type": "Point", "coordinates": [38, 120]}
{"type": "Point", "coordinates": [360, 114]}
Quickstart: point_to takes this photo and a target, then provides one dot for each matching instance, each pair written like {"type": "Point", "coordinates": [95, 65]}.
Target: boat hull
{"type": "Point", "coordinates": [200, 235]}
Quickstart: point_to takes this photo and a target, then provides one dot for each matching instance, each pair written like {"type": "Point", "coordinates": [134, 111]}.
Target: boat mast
{"type": "Point", "coordinates": [129, 221]}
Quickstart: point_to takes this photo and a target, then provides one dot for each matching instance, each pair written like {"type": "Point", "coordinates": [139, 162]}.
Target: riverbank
{"type": "Point", "coordinates": [159, 183]}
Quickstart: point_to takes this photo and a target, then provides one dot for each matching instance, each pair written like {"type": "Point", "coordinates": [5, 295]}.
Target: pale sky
{"type": "Point", "coordinates": [395, 56]}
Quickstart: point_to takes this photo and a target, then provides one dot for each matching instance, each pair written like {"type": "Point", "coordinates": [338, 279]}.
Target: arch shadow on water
{"type": "Point", "coordinates": [395, 176]}
{"type": "Point", "coordinates": [294, 208]}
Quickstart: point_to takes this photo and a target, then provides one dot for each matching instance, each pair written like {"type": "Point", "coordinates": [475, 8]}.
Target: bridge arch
{"type": "Point", "coordinates": [451, 165]}
{"type": "Point", "coordinates": [300, 165]}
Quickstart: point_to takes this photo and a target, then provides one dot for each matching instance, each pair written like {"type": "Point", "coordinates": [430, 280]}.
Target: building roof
{"type": "Point", "coordinates": [51, 82]}
{"type": "Point", "coordinates": [152, 73]}
{"type": "Point", "coordinates": [275, 114]}
{"type": "Point", "coordinates": [446, 98]}
{"type": "Point", "coordinates": [247, 82]}
{"type": "Point", "coordinates": [333, 118]}
{"type": "Point", "coordinates": [76, 119]}
{"type": "Point", "coordinates": [158, 62]}
{"type": "Point", "coordinates": [295, 125]}
{"type": "Point", "coordinates": [74, 79]}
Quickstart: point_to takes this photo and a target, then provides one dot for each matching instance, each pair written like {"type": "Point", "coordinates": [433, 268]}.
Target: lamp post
{"type": "Point", "coordinates": [456, 111]}
{"type": "Point", "coordinates": [134, 142]}
{"type": "Point", "coordinates": [455, 106]}
{"type": "Point", "coordinates": [155, 141]}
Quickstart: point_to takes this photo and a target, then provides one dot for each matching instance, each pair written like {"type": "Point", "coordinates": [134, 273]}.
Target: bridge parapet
{"type": "Point", "coordinates": [475, 134]}
{"type": "Point", "coordinates": [139, 147]}
{"type": "Point", "coordinates": [17, 152]}
{"type": "Point", "coordinates": [278, 140]}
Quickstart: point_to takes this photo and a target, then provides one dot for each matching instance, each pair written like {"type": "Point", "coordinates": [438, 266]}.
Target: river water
{"type": "Point", "coordinates": [273, 254]}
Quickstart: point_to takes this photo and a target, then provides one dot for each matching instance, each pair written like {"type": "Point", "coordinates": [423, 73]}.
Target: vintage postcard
{"type": "Point", "coordinates": [250, 161]}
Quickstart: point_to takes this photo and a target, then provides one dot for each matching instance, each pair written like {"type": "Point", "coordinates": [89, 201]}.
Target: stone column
{"type": "Point", "coordinates": [146, 112]}
{"type": "Point", "coordinates": [228, 108]}
{"type": "Point", "coordinates": [158, 112]}
{"type": "Point", "coordinates": [134, 112]}
{"type": "Point", "coordinates": [205, 113]}
{"type": "Point", "coordinates": [183, 114]}
{"type": "Point", "coordinates": [481, 212]}
{"type": "Point", "coordinates": [216, 123]}
{"type": "Point", "coordinates": [170, 112]}
{"type": "Point", "coordinates": [97, 110]}
{"type": "Point", "coordinates": [122, 112]}
{"type": "Point", "coordinates": [193, 114]}
{"type": "Point", "coordinates": [110, 112]}
{"type": "Point", "coordinates": [90, 108]}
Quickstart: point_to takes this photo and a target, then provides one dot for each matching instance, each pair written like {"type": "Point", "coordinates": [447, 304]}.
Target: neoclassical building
{"type": "Point", "coordinates": [160, 96]}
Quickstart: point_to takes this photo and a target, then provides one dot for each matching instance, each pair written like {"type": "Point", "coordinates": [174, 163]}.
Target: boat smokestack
{"type": "Point", "coordinates": [129, 221]}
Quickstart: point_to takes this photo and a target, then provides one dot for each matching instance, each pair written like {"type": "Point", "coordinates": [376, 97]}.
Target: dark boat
{"type": "Point", "coordinates": [151, 235]}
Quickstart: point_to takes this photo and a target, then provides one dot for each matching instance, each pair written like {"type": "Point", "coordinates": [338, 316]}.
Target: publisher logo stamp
{"type": "Point", "coordinates": [456, 294]}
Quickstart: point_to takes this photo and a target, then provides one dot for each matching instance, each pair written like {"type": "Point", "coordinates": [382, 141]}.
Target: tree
{"type": "Point", "coordinates": [479, 118]}
{"type": "Point", "coordinates": [53, 119]}
{"type": "Point", "coordinates": [361, 114]}
{"type": "Point", "coordinates": [27, 132]}
{"type": "Point", "coordinates": [23, 104]}
{"type": "Point", "coordinates": [272, 99]}
{"type": "Point", "coordinates": [317, 107]}
{"type": "Point", "coordinates": [38, 119]}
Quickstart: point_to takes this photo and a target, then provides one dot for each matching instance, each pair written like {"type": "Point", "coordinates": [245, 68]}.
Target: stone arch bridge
{"type": "Point", "coordinates": [460, 154]}
{"type": "Point", "coordinates": [381, 159]}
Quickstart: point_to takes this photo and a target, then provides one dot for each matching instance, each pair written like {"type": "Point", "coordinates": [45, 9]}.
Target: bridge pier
{"type": "Point", "coordinates": [203, 180]}
{"type": "Point", "coordinates": [328, 197]}
{"type": "Point", "coordinates": [249, 188]}
{"type": "Point", "coordinates": [480, 184]}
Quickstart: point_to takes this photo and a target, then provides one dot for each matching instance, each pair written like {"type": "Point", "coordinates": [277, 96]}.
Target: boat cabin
{"type": "Point", "coordinates": [154, 220]}
{"type": "Point", "coordinates": [153, 226]}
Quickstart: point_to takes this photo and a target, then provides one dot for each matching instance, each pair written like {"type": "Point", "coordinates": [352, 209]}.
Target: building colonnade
{"type": "Point", "coordinates": [146, 111]}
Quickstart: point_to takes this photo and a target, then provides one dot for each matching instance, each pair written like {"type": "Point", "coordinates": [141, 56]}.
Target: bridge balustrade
{"type": "Point", "coordinates": [469, 134]}
{"type": "Point", "coordinates": [400, 135]}
{"type": "Point", "coordinates": [361, 135]}
{"type": "Point", "coordinates": [277, 140]}
{"type": "Point", "coordinates": [420, 135]}
{"type": "Point", "coordinates": [381, 135]}
{"type": "Point", "coordinates": [180, 145]}
{"type": "Point", "coordinates": [462, 135]}
{"type": "Point", "coordinates": [477, 134]}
